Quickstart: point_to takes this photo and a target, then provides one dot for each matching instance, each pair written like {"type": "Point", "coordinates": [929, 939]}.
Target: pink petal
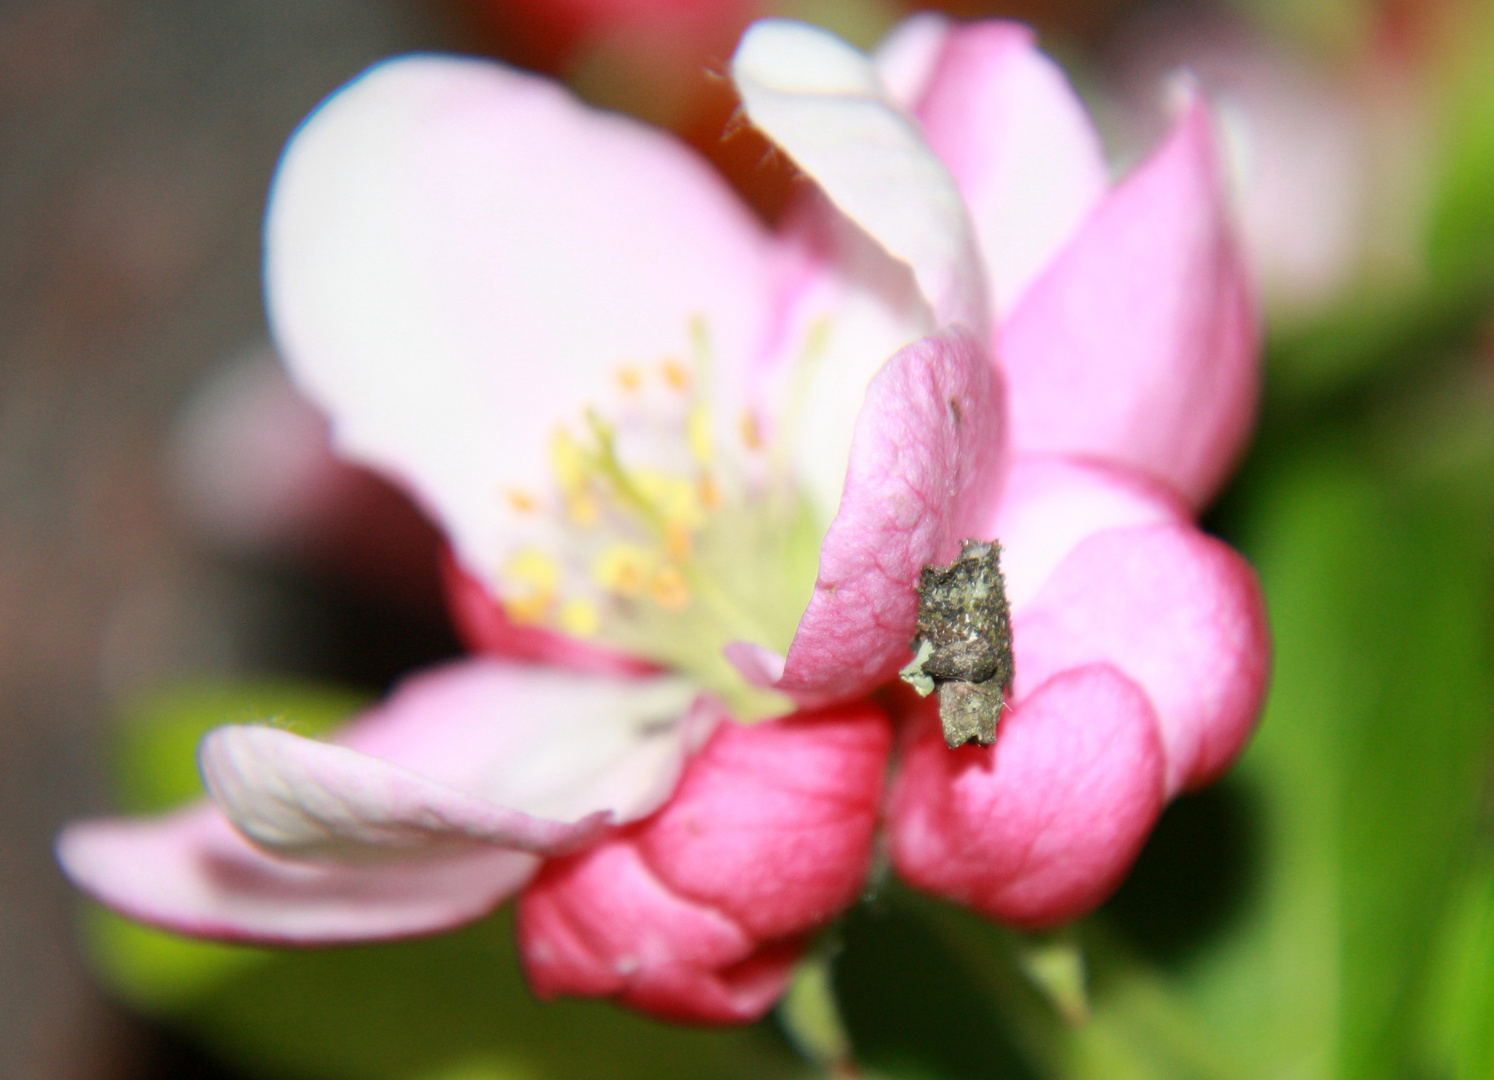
{"type": "Point", "coordinates": [699, 912]}
{"type": "Point", "coordinates": [193, 874]}
{"type": "Point", "coordinates": [823, 104]}
{"type": "Point", "coordinates": [908, 55]}
{"type": "Point", "coordinates": [460, 256]}
{"type": "Point", "coordinates": [420, 818]}
{"type": "Point", "coordinates": [807, 788]}
{"type": "Point", "coordinates": [1041, 827]}
{"type": "Point", "coordinates": [308, 799]}
{"type": "Point", "coordinates": [1004, 119]}
{"type": "Point", "coordinates": [1050, 504]}
{"type": "Point", "coordinates": [1138, 343]}
{"type": "Point", "coordinates": [926, 468]}
{"type": "Point", "coordinates": [608, 927]}
{"type": "Point", "coordinates": [1176, 611]}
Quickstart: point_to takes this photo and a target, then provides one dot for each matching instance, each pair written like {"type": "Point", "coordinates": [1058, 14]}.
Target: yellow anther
{"type": "Point", "coordinates": [533, 578]}
{"type": "Point", "coordinates": [535, 569]}
{"type": "Point", "coordinates": [582, 509]}
{"type": "Point", "coordinates": [530, 610]}
{"type": "Point", "coordinates": [698, 429]}
{"type": "Point", "coordinates": [672, 498]}
{"type": "Point", "coordinates": [521, 501]}
{"type": "Point", "coordinates": [579, 619]}
{"type": "Point", "coordinates": [678, 541]}
{"type": "Point", "coordinates": [667, 588]}
{"type": "Point", "coordinates": [675, 374]}
{"type": "Point", "coordinates": [568, 460]}
{"type": "Point", "coordinates": [710, 494]}
{"type": "Point", "coordinates": [630, 379]}
{"type": "Point", "coordinates": [752, 435]}
{"type": "Point", "coordinates": [622, 569]}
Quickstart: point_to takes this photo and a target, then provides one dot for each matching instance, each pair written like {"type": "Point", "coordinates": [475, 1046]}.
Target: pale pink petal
{"type": "Point", "coordinates": [460, 256]}
{"type": "Point", "coordinates": [908, 55]}
{"type": "Point", "coordinates": [477, 753]}
{"type": "Point", "coordinates": [1004, 119]}
{"type": "Point", "coordinates": [1180, 614]}
{"type": "Point", "coordinates": [194, 874]}
{"type": "Point", "coordinates": [308, 799]}
{"type": "Point", "coordinates": [554, 744]}
{"type": "Point", "coordinates": [699, 912]}
{"type": "Point", "coordinates": [846, 307]}
{"type": "Point", "coordinates": [1041, 827]}
{"type": "Point", "coordinates": [1138, 343]}
{"type": "Point", "coordinates": [926, 469]}
{"type": "Point", "coordinates": [823, 104]}
{"type": "Point", "coordinates": [1050, 504]}
{"type": "Point", "coordinates": [419, 818]}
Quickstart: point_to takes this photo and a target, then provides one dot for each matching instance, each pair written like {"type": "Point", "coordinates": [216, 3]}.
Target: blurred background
{"type": "Point", "coordinates": [177, 549]}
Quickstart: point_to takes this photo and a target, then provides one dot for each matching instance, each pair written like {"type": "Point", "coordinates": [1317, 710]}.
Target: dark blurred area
{"type": "Point", "coordinates": [139, 139]}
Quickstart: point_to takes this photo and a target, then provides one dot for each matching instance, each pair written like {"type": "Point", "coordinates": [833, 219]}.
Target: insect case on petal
{"type": "Point", "coordinates": [963, 648]}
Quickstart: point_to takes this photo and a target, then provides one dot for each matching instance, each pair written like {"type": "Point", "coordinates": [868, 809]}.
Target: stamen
{"type": "Point", "coordinates": [622, 569]}
{"type": "Point", "coordinates": [698, 430]}
{"type": "Point", "coordinates": [752, 435]}
{"type": "Point", "coordinates": [583, 510]}
{"type": "Point", "coordinates": [604, 463]}
{"type": "Point", "coordinates": [668, 589]}
{"type": "Point", "coordinates": [521, 501]}
{"type": "Point", "coordinates": [534, 568]}
{"type": "Point", "coordinates": [679, 544]}
{"type": "Point", "coordinates": [579, 619]}
{"type": "Point", "coordinates": [675, 375]}
{"type": "Point", "coordinates": [673, 552]}
{"type": "Point", "coordinates": [670, 498]}
{"type": "Point", "coordinates": [710, 494]}
{"type": "Point", "coordinates": [630, 379]}
{"type": "Point", "coordinates": [568, 460]}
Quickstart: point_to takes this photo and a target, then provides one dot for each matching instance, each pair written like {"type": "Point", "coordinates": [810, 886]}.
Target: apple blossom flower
{"type": "Point", "coordinates": [690, 470]}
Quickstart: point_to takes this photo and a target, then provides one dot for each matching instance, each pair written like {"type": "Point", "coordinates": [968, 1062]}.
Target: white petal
{"type": "Point", "coordinates": [824, 104]}
{"type": "Point", "coordinates": [460, 256]}
{"type": "Point", "coordinates": [311, 799]}
{"type": "Point", "coordinates": [481, 752]}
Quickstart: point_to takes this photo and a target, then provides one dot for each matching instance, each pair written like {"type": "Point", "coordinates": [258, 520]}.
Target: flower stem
{"type": "Point", "coordinates": [811, 1018]}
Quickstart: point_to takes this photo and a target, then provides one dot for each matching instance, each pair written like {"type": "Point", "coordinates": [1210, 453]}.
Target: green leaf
{"type": "Point", "coordinates": [1366, 763]}
{"type": "Point", "coordinates": [1458, 1020]}
{"type": "Point", "coordinates": [155, 756]}
{"type": "Point", "coordinates": [453, 1006]}
{"type": "Point", "coordinates": [158, 973]}
{"type": "Point", "coordinates": [1461, 242]}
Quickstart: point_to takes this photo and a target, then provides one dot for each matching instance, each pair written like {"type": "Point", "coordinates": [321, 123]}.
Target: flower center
{"type": "Point", "coordinates": [668, 534]}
